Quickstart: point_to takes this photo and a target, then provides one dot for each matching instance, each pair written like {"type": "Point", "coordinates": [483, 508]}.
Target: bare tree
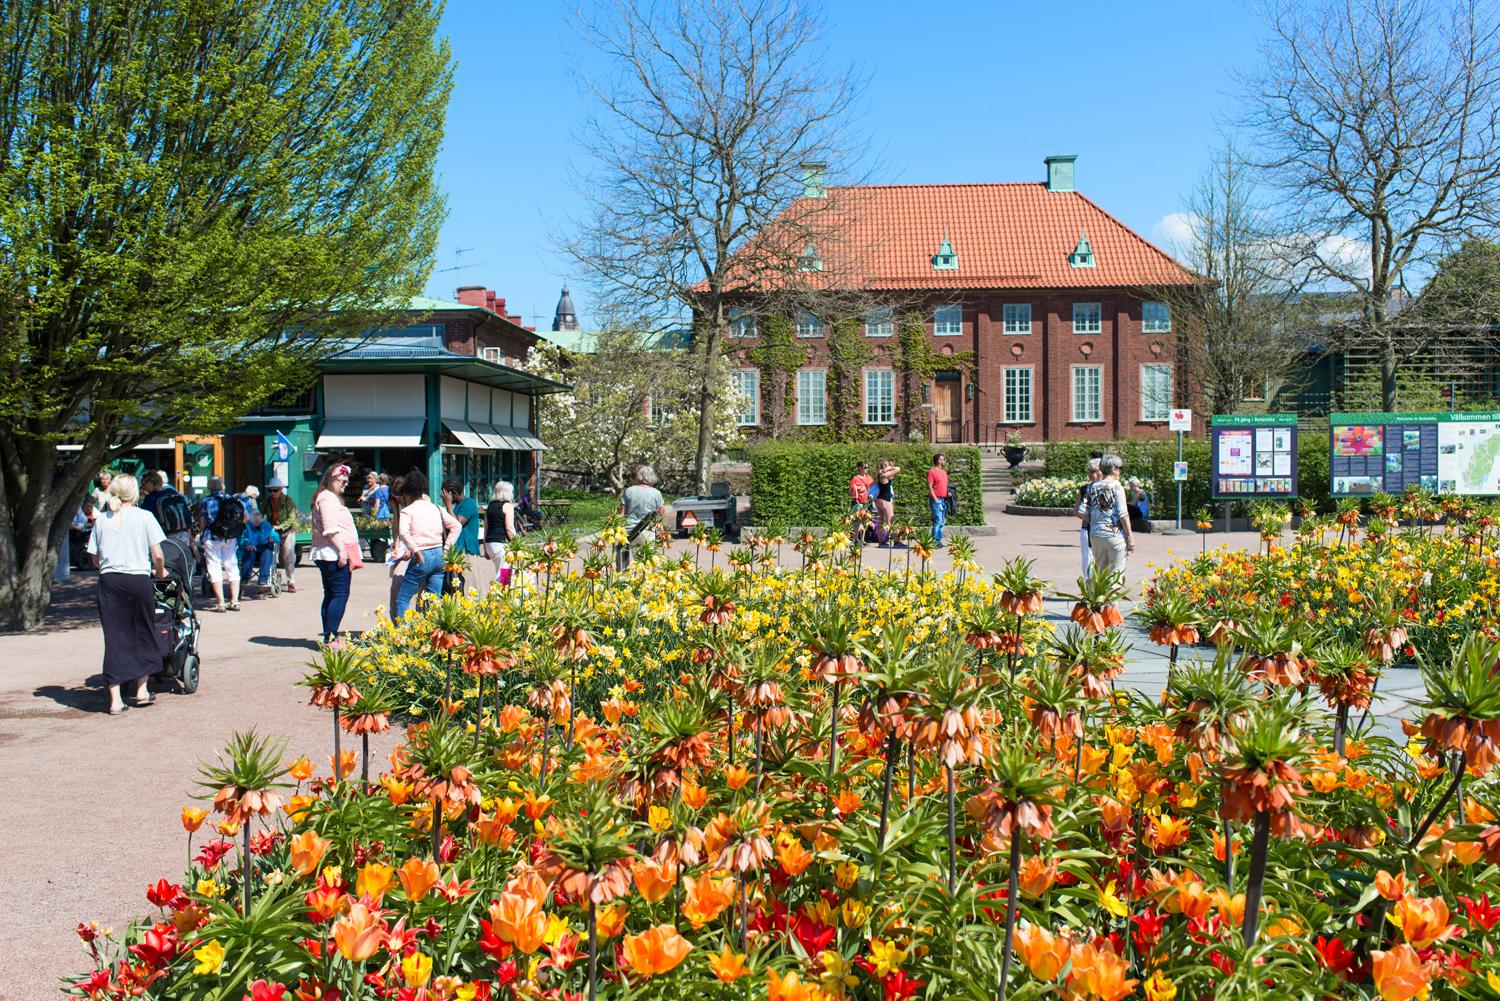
{"type": "Point", "coordinates": [717, 119]}
{"type": "Point", "coordinates": [1241, 338]}
{"type": "Point", "coordinates": [1380, 122]}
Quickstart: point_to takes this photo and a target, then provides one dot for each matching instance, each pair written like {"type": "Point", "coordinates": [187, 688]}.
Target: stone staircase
{"type": "Point", "coordinates": [994, 474]}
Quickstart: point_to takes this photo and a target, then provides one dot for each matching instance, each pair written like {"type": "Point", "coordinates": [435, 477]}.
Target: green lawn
{"type": "Point", "coordinates": [589, 509]}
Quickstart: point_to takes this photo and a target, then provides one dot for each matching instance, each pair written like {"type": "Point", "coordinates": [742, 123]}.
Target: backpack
{"type": "Point", "coordinates": [173, 515]}
{"type": "Point", "coordinates": [229, 519]}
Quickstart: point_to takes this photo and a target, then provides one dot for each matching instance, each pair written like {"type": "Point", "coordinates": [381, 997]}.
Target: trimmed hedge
{"type": "Point", "coordinates": [1155, 459]}
{"type": "Point", "coordinates": [793, 483]}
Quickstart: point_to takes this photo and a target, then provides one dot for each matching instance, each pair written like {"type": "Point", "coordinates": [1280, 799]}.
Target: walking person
{"type": "Point", "coordinates": [281, 511]}
{"type": "Point", "coordinates": [161, 500]}
{"type": "Point", "coordinates": [335, 546]}
{"type": "Point", "coordinates": [222, 520]}
{"type": "Point", "coordinates": [100, 494]}
{"type": "Point", "coordinates": [376, 496]}
{"type": "Point", "coordinates": [641, 505]}
{"type": "Point", "coordinates": [423, 531]}
{"type": "Point", "coordinates": [1091, 476]}
{"type": "Point", "coordinates": [937, 496]}
{"type": "Point", "coordinates": [500, 528]}
{"type": "Point", "coordinates": [885, 503]}
{"type": "Point", "coordinates": [126, 547]}
{"type": "Point", "coordinates": [465, 511]}
{"type": "Point", "coordinates": [1110, 538]}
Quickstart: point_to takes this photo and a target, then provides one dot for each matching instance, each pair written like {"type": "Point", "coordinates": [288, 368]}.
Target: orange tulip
{"type": "Point", "coordinates": [793, 856]}
{"type": "Point", "coordinates": [789, 988]}
{"type": "Point", "coordinates": [373, 880]}
{"type": "Point", "coordinates": [1231, 909]}
{"type": "Point", "coordinates": [1100, 973]}
{"type": "Point", "coordinates": [1391, 887]}
{"type": "Point", "coordinates": [1400, 974]}
{"type": "Point", "coordinates": [307, 852]}
{"type": "Point", "coordinates": [705, 898]}
{"type": "Point", "coordinates": [192, 818]}
{"type": "Point", "coordinates": [519, 920]}
{"type": "Point", "coordinates": [1423, 920]}
{"type": "Point", "coordinates": [1194, 900]}
{"type": "Point", "coordinates": [737, 776]}
{"type": "Point", "coordinates": [326, 902]}
{"type": "Point", "coordinates": [848, 802]}
{"type": "Point", "coordinates": [302, 769]}
{"type": "Point", "coordinates": [417, 877]}
{"type": "Point", "coordinates": [1169, 832]}
{"type": "Point", "coordinates": [1036, 876]}
{"type": "Point", "coordinates": [1044, 953]}
{"type": "Point", "coordinates": [694, 795]}
{"type": "Point", "coordinates": [654, 879]}
{"type": "Point", "coordinates": [610, 921]}
{"type": "Point", "coordinates": [728, 966]}
{"type": "Point", "coordinates": [656, 950]}
{"type": "Point", "coordinates": [358, 934]}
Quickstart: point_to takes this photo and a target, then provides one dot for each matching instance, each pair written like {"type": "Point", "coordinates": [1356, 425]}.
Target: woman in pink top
{"type": "Point", "coordinates": [333, 532]}
{"type": "Point", "coordinates": [423, 530]}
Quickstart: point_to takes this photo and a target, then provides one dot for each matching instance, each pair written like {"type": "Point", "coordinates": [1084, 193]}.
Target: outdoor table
{"type": "Point", "coordinates": [554, 512]}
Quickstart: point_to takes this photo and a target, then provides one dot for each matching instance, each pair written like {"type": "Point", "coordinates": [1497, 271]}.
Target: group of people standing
{"type": "Point", "coordinates": [877, 494]}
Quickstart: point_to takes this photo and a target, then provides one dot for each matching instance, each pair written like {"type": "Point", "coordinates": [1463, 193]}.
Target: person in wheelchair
{"type": "Point", "coordinates": [259, 545]}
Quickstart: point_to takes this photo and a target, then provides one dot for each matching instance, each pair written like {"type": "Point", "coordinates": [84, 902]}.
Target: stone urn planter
{"type": "Point", "coordinates": [1014, 454]}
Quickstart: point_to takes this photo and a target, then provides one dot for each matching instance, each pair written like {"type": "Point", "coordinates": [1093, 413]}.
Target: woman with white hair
{"type": "Point", "coordinates": [126, 547]}
{"type": "Point", "coordinates": [1091, 476]}
{"type": "Point", "coordinates": [500, 527]}
{"type": "Point", "coordinates": [640, 505]}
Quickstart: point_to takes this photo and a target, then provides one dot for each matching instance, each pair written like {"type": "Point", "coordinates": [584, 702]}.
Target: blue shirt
{"type": "Point", "coordinates": [256, 536]}
{"type": "Point", "coordinates": [379, 501]}
{"type": "Point", "coordinates": [467, 511]}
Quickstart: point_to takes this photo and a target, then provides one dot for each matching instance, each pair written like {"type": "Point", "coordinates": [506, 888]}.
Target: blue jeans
{"type": "Point", "coordinates": [423, 573]}
{"type": "Point", "coordinates": [257, 558]}
{"type": "Point", "coordinates": [335, 596]}
{"type": "Point", "coordinates": [939, 518]}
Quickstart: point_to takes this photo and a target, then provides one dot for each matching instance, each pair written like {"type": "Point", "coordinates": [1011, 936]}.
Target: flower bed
{"type": "Point", "coordinates": [1054, 492]}
{"type": "Point", "coordinates": [833, 782]}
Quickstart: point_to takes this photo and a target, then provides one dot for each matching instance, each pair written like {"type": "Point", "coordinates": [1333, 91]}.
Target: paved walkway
{"type": "Point", "coordinates": [91, 801]}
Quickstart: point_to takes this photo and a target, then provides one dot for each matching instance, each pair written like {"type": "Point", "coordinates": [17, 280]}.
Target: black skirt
{"type": "Point", "coordinates": [127, 611]}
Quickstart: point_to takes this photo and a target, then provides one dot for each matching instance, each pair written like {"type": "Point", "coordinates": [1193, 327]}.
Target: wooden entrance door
{"type": "Point", "coordinates": [948, 403]}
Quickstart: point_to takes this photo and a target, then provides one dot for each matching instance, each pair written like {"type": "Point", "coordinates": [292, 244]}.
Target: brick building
{"type": "Point", "coordinates": [477, 324]}
{"type": "Point", "coordinates": [1049, 307]}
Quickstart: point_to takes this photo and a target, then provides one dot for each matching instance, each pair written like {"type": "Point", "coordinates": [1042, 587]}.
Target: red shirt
{"type": "Point", "coordinates": [859, 488]}
{"type": "Point", "coordinates": [937, 482]}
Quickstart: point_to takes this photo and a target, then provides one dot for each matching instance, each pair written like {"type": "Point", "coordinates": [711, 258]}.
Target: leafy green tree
{"type": "Point", "coordinates": [195, 197]}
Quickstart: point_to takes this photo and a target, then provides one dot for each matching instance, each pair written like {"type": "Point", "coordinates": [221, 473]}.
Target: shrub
{"type": "Point", "coordinates": [794, 483]}
{"type": "Point", "coordinates": [1062, 491]}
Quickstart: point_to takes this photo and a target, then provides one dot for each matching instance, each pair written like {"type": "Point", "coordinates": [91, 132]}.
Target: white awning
{"type": "Point", "coordinates": [374, 432]}
{"type": "Point", "coordinates": [493, 438]}
{"type": "Point", "coordinates": [163, 444]}
{"type": "Point", "coordinates": [468, 436]}
{"type": "Point", "coordinates": [528, 442]}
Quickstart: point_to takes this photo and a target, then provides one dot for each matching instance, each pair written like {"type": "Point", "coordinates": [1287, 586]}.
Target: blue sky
{"type": "Point", "coordinates": [956, 92]}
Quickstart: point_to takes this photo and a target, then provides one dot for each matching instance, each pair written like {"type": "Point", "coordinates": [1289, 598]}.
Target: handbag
{"type": "Point", "coordinates": [356, 559]}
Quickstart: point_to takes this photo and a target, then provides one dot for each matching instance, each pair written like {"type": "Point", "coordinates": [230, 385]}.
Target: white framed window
{"type": "Point", "coordinates": [880, 322]}
{"type": "Point", "coordinates": [742, 323]}
{"type": "Point", "coordinates": [1088, 394]}
{"type": "Point", "coordinates": [812, 397]}
{"type": "Point", "coordinates": [1016, 317]}
{"type": "Point", "coordinates": [1156, 318]}
{"type": "Point", "coordinates": [1016, 382]}
{"type": "Point", "coordinates": [880, 396]}
{"type": "Point", "coordinates": [808, 325]}
{"type": "Point", "coordinates": [747, 384]}
{"type": "Point", "coordinates": [496, 355]}
{"type": "Point", "coordinates": [1156, 392]}
{"type": "Point", "coordinates": [948, 321]}
{"type": "Point", "coordinates": [1087, 318]}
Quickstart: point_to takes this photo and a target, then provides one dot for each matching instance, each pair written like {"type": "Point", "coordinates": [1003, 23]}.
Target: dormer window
{"type": "Point", "coordinates": [809, 261]}
{"type": "Point", "coordinates": [945, 259]}
{"type": "Point", "coordinates": [1083, 254]}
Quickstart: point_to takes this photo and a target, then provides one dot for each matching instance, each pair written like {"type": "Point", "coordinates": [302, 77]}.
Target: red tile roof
{"type": "Point", "coordinates": [1011, 235]}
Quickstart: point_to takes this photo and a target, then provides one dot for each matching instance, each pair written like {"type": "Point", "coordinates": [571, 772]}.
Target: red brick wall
{"type": "Point", "coordinates": [1052, 349]}
{"type": "Point", "coordinates": [467, 333]}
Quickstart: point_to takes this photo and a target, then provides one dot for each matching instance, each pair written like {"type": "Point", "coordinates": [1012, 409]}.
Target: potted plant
{"type": "Point", "coordinates": [376, 532]}
{"type": "Point", "coordinates": [1015, 452]}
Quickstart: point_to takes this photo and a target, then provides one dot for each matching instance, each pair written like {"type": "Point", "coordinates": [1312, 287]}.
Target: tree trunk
{"type": "Point", "coordinates": [29, 549]}
{"type": "Point", "coordinates": [711, 351]}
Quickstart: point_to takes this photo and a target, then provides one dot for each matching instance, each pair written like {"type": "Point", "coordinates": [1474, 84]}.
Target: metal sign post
{"type": "Point", "coordinates": [1180, 421]}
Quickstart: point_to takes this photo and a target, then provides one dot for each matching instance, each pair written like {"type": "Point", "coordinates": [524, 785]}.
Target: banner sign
{"type": "Point", "coordinates": [1253, 455]}
{"type": "Point", "coordinates": [1445, 453]}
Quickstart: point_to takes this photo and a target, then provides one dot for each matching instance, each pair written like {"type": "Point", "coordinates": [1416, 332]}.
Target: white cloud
{"type": "Point", "coordinates": [1173, 233]}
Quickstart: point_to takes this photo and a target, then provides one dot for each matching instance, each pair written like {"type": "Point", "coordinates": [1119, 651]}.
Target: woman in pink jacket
{"type": "Point", "coordinates": [423, 531]}
{"type": "Point", "coordinates": [333, 535]}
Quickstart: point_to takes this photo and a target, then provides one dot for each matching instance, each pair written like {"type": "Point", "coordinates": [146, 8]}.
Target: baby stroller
{"type": "Point", "coordinates": [176, 622]}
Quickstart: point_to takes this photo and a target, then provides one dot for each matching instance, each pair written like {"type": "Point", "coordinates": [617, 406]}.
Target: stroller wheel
{"type": "Point", "coordinates": [189, 673]}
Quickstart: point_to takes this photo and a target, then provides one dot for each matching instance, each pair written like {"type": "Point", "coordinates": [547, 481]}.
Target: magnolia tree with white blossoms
{"type": "Point", "coordinates": [633, 402]}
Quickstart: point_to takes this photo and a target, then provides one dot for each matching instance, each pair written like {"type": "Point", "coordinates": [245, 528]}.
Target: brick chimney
{"type": "Point", "coordinates": [474, 295]}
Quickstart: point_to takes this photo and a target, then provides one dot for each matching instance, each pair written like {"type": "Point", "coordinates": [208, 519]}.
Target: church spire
{"type": "Point", "coordinates": [565, 317]}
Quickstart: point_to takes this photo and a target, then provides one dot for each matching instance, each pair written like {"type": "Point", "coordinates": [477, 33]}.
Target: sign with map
{"type": "Point", "coordinates": [1445, 453]}
{"type": "Point", "coordinates": [1253, 455]}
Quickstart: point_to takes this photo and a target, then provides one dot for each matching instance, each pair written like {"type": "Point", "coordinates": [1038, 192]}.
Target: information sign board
{"type": "Point", "coordinates": [1253, 455]}
{"type": "Point", "coordinates": [1445, 453]}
